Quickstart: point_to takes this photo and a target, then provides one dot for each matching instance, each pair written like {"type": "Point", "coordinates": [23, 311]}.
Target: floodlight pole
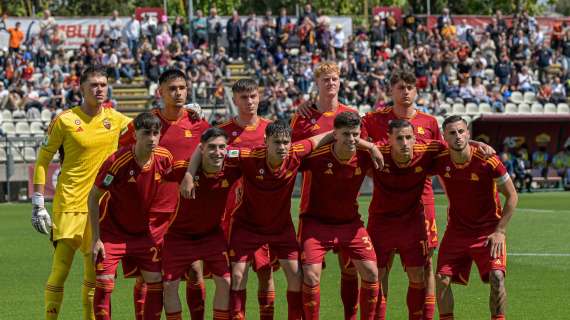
{"type": "Point", "coordinates": [190, 16]}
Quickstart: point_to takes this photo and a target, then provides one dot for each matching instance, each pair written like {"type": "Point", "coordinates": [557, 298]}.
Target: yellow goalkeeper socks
{"type": "Point", "coordinates": [88, 288]}
{"type": "Point", "coordinates": [62, 259]}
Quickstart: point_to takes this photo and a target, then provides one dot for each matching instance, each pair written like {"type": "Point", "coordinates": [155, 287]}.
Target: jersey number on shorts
{"type": "Point", "coordinates": [155, 257]}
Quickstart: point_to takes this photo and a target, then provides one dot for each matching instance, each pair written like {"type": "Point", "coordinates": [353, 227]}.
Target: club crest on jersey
{"type": "Point", "coordinates": [421, 130]}
{"type": "Point", "coordinates": [447, 175]}
{"type": "Point", "coordinates": [419, 169]}
{"type": "Point", "coordinates": [187, 133]}
{"type": "Point", "coordinates": [108, 179]}
{"type": "Point", "coordinates": [225, 183]}
{"type": "Point", "coordinates": [474, 177]}
{"type": "Point", "coordinates": [328, 171]}
{"type": "Point", "coordinates": [132, 179]}
{"type": "Point", "coordinates": [107, 123]}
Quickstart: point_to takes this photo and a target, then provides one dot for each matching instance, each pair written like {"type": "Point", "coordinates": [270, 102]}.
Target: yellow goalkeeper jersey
{"type": "Point", "coordinates": [85, 142]}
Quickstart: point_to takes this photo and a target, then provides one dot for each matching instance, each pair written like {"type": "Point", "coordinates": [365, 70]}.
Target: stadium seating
{"type": "Point", "coordinates": [467, 119]}
{"type": "Point", "coordinates": [471, 108]}
{"type": "Point", "coordinates": [563, 108]}
{"type": "Point", "coordinates": [485, 108]}
{"type": "Point", "coordinates": [23, 129]}
{"type": "Point", "coordinates": [19, 115]}
{"type": "Point", "coordinates": [29, 154]}
{"type": "Point", "coordinates": [46, 115]}
{"type": "Point", "coordinates": [524, 108]}
{"type": "Point", "coordinates": [458, 108]}
{"type": "Point", "coordinates": [3, 156]}
{"type": "Point", "coordinates": [37, 129]}
{"type": "Point", "coordinates": [529, 97]}
{"type": "Point", "coordinates": [550, 108]}
{"type": "Point", "coordinates": [440, 120]}
{"type": "Point", "coordinates": [446, 107]}
{"type": "Point", "coordinates": [9, 129]}
{"type": "Point", "coordinates": [511, 108]}
{"type": "Point", "coordinates": [364, 109]}
{"type": "Point", "coordinates": [489, 74]}
{"type": "Point", "coordinates": [16, 154]}
{"type": "Point", "coordinates": [537, 108]}
{"type": "Point", "coordinates": [516, 97]}
{"type": "Point", "coordinates": [6, 115]}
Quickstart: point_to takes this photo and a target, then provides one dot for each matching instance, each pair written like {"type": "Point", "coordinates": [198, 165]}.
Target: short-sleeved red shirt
{"type": "Point", "coordinates": [131, 189]}
{"type": "Point", "coordinates": [180, 137]}
{"type": "Point", "coordinates": [332, 186]}
{"type": "Point", "coordinates": [375, 128]}
{"type": "Point", "coordinates": [245, 137]}
{"type": "Point", "coordinates": [317, 123]}
{"type": "Point", "coordinates": [266, 202]}
{"type": "Point", "coordinates": [474, 203]}
{"type": "Point", "coordinates": [203, 214]}
{"type": "Point", "coordinates": [398, 189]}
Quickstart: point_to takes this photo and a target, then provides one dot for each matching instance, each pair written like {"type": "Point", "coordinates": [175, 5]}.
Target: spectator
{"type": "Point", "coordinates": [47, 27]}
{"type": "Point", "coordinates": [133, 33]}
{"type": "Point", "coordinates": [214, 30]}
{"type": "Point", "coordinates": [338, 41]}
{"type": "Point", "coordinates": [16, 37]}
{"type": "Point", "coordinates": [522, 172]}
{"type": "Point", "coordinates": [308, 13]}
{"type": "Point", "coordinates": [525, 80]}
{"type": "Point", "coordinates": [234, 35]}
{"type": "Point", "coordinates": [179, 28]}
{"type": "Point", "coordinates": [561, 163]}
{"type": "Point", "coordinates": [558, 92]}
{"type": "Point", "coordinates": [282, 22]}
{"type": "Point", "coordinates": [115, 29]}
{"type": "Point", "coordinates": [199, 29]}
{"type": "Point", "coordinates": [540, 160]}
{"type": "Point", "coordinates": [543, 58]}
{"type": "Point", "coordinates": [163, 39]}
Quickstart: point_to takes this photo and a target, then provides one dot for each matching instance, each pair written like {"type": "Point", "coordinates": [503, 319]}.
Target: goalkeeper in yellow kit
{"type": "Point", "coordinates": [85, 136]}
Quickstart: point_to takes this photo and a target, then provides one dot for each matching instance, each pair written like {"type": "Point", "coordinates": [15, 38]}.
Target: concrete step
{"type": "Point", "coordinates": [130, 91]}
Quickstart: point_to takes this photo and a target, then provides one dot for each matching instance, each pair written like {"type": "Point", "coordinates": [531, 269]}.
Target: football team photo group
{"type": "Point", "coordinates": [181, 205]}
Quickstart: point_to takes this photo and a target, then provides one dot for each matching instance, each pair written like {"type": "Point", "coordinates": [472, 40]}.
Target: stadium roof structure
{"type": "Point", "coordinates": [523, 118]}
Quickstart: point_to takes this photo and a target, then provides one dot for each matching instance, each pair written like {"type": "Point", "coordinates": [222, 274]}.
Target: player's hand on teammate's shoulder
{"type": "Point", "coordinates": [487, 150]}
{"type": "Point", "coordinates": [187, 187]}
{"type": "Point", "coordinates": [41, 221]}
{"type": "Point", "coordinates": [377, 158]}
{"type": "Point", "coordinates": [496, 243]}
{"type": "Point", "coordinates": [306, 108]}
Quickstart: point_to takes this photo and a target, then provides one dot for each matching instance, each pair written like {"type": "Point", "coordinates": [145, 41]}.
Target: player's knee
{"type": "Point", "coordinates": [497, 279]}
{"type": "Point", "coordinates": [152, 277]}
{"type": "Point", "coordinates": [195, 272]}
{"type": "Point", "coordinates": [369, 274]}
{"type": "Point", "coordinates": [311, 277]}
{"type": "Point", "coordinates": [443, 281]}
{"type": "Point", "coordinates": [222, 283]}
{"type": "Point", "coordinates": [416, 274]}
{"type": "Point", "coordinates": [238, 277]}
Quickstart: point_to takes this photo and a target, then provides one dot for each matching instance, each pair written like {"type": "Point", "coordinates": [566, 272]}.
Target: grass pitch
{"type": "Point", "coordinates": [537, 280]}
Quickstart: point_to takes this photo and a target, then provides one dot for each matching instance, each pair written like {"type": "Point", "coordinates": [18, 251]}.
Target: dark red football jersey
{"type": "Point", "coordinates": [332, 186]}
{"type": "Point", "coordinates": [131, 189]}
{"type": "Point", "coordinates": [375, 128]}
{"type": "Point", "coordinates": [245, 137]}
{"type": "Point", "coordinates": [317, 123]}
{"type": "Point", "coordinates": [203, 214]}
{"type": "Point", "coordinates": [398, 189]}
{"type": "Point", "coordinates": [180, 137]}
{"type": "Point", "coordinates": [266, 202]}
{"type": "Point", "coordinates": [474, 203]}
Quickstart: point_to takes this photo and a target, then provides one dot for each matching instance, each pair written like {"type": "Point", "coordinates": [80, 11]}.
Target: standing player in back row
{"type": "Point", "coordinates": [247, 130]}
{"type": "Point", "coordinates": [375, 128]}
{"type": "Point", "coordinates": [180, 134]}
{"type": "Point", "coordinates": [316, 118]}
{"type": "Point", "coordinates": [477, 224]}
{"type": "Point", "coordinates": [85, 136]}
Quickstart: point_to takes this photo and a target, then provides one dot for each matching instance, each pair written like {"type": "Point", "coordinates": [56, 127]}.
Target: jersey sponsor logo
{"type": "Point", "coordinates": [187, 133]}
{"type": "Point", "coordinates": [107, 123]}
{"type": "Point", "coordinates": [357, 171]}
{"type": "Point", "coordinates": [108, 179]}
{"type": "Point", "coordinates": [419, 169]}
{"type": "Point", "coordinates": [421, 130]}
{"type": "Point", "coordinates": [233, 153]}
{"type": "Point", "coordinates": [474, 177]}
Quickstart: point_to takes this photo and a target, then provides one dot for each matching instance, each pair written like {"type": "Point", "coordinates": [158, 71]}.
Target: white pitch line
{"type": "Point", "coordinates": [538, 254]}
{"type": "Point", "coordinates": [525, 210]}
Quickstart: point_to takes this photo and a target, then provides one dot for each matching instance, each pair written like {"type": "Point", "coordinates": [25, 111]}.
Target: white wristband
{"type": "Point", "coordinates": [38, 199]}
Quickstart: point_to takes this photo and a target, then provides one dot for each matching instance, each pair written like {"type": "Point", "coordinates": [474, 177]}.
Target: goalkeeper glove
{"type": "Point", "coordinates": [41, 220]}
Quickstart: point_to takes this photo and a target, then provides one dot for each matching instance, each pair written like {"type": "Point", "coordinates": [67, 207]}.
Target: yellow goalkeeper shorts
{"type": "Point", "coordinates": [74, 227]}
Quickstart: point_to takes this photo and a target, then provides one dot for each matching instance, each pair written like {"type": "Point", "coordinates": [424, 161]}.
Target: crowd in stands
{"type": "Point", "coordinates": [507, 61]}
